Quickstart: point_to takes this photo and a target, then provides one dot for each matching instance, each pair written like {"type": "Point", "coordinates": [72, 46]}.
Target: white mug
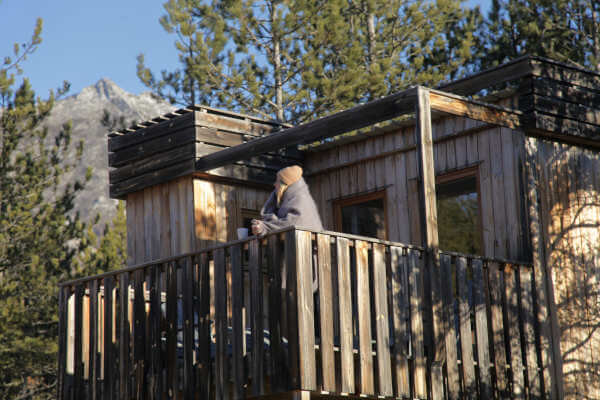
{"type": "Point", "coordinates": [242, 233]}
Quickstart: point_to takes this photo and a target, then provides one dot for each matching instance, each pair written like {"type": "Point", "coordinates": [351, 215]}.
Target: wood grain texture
{"type": "Point", "coordinates": [367, 384]}
{"type": "Point", "coordinates": [256, 293]}
{"type": "Point", "coordinates": [415, 276]}
{"type": "Point", "coordinates": [448, 298]}
{"type": "Point", "coordinates": [345, 307]}
{"type": "Point", "coordinates": [326, 311]}
{"type": "Point", "coordinates": [384, 370]}
{"type": "Point", "coordinates": [466, 338]}
{"type": "Point", "coordinates": [306, 324]}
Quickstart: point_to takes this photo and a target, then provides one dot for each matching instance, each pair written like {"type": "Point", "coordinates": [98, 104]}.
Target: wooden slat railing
{"type": "Point", "coordinates": [298, 310]}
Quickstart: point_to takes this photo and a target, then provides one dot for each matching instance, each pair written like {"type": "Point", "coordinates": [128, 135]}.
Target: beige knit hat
{"type": "Point", "coordinates": [289, 175]}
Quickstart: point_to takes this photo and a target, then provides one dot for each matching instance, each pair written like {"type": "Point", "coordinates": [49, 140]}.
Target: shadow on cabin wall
{"type": "Point", "coordinates": [571, 214]}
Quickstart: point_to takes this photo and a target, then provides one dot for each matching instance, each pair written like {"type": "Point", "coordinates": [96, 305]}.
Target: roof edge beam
{"type": "Point", "coordinates": [463, 107]}
{"type": "Point", "coordinates": [354, 118]}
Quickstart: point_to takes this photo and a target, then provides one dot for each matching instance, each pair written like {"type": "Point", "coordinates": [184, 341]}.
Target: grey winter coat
{"type": "Point", "coordinates": [297, 208]}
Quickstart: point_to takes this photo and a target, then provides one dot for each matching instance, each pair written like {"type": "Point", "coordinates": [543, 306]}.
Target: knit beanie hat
{"type": "Point", "coordinates": [290, 175]}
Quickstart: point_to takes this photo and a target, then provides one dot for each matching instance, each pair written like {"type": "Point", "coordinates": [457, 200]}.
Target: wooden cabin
{"type": "Point", "coordinates": [461, 257]}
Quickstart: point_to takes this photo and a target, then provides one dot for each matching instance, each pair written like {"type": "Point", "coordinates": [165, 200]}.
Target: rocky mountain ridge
{"type": "Point", "coordinates": [85, 110]}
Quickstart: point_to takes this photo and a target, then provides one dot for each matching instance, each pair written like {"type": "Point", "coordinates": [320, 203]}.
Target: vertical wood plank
{"type": "Point", "coordinates": [237, 334]}
{"type": "Point", "coordinates": [221, 367]}
{"type": "Point", "coordinates": [131, 227]}
{"type": "Point", "coordinates": [401, 318]}
{"type": "Point", "coordinates": [63, 312]}
{"type": "Point", "coordinates": [204, 342]}
{"type": "Point", "coordinates": [447, 293]}
{"type": "Point", "coordinates": [109, 350]}
{"type": "Point", "coordinates": [345, 306]}
{"type": "Point", "coordinates": [306, 324]}
{"type": "Point", "coordinates": [256, 289]}
{"type": "Point", "coordinates": [165, 224]}
{"type": "Point", "coordinates": [326, 311]}
{"type": "Point", "coordinates": [147, 234]}
{"type": "Point", "coordinates": [400, 187]}
{"type": "Point", "coordinates": [139, 333]}
{"type": "Point", "coordinates": [93, 376]}
{"type": "Point", "coordinates": [428, 213]}
{"type": "Point", "coordinates": [367, 385]}
{"type": "Point", "coordinates": [380, 290]}
{"type": "Point", "coordinates": [496, 285]}
{"type": "Point", "coordinates": [511, 198]}
{"type": "Point", "coordinates": [78, 348]}
{"type": "Point", "coordinates": [466, 340]}
{"type": "Point", "coordinates": [415, 276]}
{"type": "Point", "coordinates": [155, 241]}
{"type": "Point", "coordinates": [292, 308]}
{"type": "Point", "coordinates": [278, 363]}
{"type": "Point", "coordinates": [174, 220]}
{"type": "Point", "coordinates": [155, 373]}
{"type": "Point", "coordinates": [485, 188]}
{"type": "Point", "coordinates": [189, 383]}
{"type": "Point", "coordinates": [498, 192]}
{"type": "Point", "coordinates": [528, 318]}
{"type": "Point", "coordinates": [172, 373]}
{"type": "Point", "coordinates": [124, 335]}
{"type": "Point", "coordinates": [139, 232]}
{"type": "Point", "coordinates": [512, 312]}
{"type": "Point", "coordinates": [481, 329]}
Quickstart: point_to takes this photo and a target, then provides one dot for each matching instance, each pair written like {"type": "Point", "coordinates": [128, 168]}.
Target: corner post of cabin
{"type": "Point", "coordinates": [430, 240]}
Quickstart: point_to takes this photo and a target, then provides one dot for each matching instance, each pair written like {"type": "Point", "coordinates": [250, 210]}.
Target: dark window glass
{"type": "Point", "coordinates": [458, 215]}
{"type": "Point", "coordinates": [365, 219]}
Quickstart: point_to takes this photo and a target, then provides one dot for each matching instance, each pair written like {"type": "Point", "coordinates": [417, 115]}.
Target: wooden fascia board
{"type": "Point", "coordinates": [463, 107]}
{"type": "Point", "coordinates": [355, 118]}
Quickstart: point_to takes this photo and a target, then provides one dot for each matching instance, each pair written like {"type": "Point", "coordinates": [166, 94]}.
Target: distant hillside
{"type": "Point", "coordinates": [86, 110]}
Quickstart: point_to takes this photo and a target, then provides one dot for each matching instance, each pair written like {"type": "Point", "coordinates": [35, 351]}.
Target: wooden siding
{"type": "Point", "coordinates": [184, 215]}
{"type": "Point", "coordinates": [389, 162]}
{"type": "Point", "coordinates": [569, 191]}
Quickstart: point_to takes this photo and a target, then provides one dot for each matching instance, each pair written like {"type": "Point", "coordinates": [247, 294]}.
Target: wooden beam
{"type": "Point", "coordinates": [506, 72]}
{"type": "Point", "coordinates": [463, 107]}
{"type": "Point", "coordinates": [430, 240]}
{"type": "Point", "coordinates": [355, 118]}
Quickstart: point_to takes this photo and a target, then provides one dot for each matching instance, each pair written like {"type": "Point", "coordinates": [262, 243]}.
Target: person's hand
{"type": "Point", "coordinates": [256, 227]}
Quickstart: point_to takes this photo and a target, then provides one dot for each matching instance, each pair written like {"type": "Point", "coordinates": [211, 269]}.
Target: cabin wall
{"type": "Point", "coordinates": [569, 191]}
{"type": "Point", "coordinates": [184, 215]}
{"type": "Point", "coordinates": [389, 161]}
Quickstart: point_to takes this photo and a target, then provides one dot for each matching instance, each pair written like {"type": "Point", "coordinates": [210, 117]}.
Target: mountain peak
{"type": "Point", "coordinates": [105, 88]}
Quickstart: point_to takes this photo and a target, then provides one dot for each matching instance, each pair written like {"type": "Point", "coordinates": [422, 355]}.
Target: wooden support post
{"type": "Point", "coordinates": [424, 141]}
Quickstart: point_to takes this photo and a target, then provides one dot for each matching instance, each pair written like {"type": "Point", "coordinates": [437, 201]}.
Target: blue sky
{"type": "Point", "coordinates": [84, 41]}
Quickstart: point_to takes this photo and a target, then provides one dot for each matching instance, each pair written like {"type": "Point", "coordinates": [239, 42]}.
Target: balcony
{"type": "Point", "coordinates": [300, 314]}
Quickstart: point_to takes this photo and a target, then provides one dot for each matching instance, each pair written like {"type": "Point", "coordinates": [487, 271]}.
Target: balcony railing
{"type": "Point", "coordinates": [297, 310]}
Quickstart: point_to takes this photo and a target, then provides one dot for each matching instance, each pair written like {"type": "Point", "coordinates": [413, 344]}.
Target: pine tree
{"type": "Point", "coordinates": [381, 47]}
{"type": "Point", "coordinates": [39, 239]}
{"type": "Point", "coordinates": [563, 30]}
{"type": "Point", "coordinates": [294, 60]}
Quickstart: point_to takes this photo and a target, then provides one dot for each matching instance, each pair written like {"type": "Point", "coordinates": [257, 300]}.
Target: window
{"type": "Point", "coordinates": [458, 211]}
{"type": "Point", "coordinates": [362, 215]}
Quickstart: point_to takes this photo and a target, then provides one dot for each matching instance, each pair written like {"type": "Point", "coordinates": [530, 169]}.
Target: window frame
{"type": "Point", "coordinates": [462, 173]}
{"type": "Point", "coordinates": [357, 199]}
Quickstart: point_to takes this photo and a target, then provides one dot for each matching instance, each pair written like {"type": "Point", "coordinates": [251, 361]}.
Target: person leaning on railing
{"type": "Point", "coordinates": [289, 204]}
